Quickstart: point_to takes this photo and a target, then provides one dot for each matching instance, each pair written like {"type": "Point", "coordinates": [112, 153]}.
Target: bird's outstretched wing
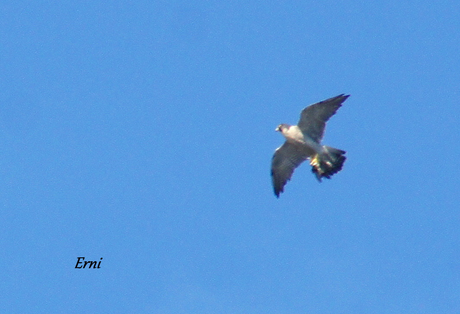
{"type": "Point", "coordinates": [314, 117]}
{"type": "Point", "coordinates": [284, 161]}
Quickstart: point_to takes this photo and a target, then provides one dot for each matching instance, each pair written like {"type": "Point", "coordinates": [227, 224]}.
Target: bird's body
{"type": "Point", "coordinates": [295, 136]}
{"type": "Point", "coordinates": [303, 141]}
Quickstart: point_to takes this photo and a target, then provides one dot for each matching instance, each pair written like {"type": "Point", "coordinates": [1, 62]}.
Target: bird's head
{"type": "Point", "coordinates": [282, 128]}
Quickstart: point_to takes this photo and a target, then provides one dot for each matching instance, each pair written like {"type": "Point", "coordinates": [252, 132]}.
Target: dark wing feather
{"type": "Point", "coordinates": [313, 118]}
{"type": "Point", "coordinates": [284, 161]}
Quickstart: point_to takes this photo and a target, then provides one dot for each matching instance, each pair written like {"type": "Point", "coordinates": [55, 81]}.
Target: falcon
{"type": "Point", "coordinates": [303, 141]}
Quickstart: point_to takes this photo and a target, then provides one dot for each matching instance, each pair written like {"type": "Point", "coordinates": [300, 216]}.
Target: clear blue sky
{"type": "Point", "coordinates": [142, 132]}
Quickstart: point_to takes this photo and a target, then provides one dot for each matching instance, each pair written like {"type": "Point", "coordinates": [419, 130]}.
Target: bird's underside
{"type": "Point", "coordinates": [303, 141]}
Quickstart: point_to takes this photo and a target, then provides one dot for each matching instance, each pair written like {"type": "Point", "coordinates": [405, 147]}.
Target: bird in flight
{"type": "Point", "coordinates": [303, 141]}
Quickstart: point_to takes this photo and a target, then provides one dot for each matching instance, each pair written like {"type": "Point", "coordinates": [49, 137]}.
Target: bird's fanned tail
{"type": "Point", "coordinates": [329, 162]}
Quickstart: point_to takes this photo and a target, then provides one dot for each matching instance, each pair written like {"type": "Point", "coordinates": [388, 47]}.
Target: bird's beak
{"type": "Point", "coordinates": [277, 129]}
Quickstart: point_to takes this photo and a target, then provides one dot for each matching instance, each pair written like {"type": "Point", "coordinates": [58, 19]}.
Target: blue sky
{"type": "Point", "coordinates": [142, 132]}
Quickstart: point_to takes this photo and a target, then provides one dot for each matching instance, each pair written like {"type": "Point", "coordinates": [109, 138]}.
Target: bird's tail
{"type": "Point", "coordinates": [327, 163]}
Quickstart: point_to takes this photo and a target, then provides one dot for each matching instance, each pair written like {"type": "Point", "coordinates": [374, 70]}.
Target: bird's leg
{"type": "Point", "coordinates": [315, 161]}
